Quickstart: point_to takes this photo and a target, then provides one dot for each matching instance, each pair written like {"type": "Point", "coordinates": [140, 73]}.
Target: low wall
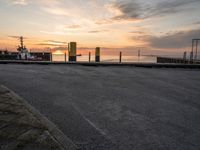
{"type": "Point", "coordinates": [174, 60]}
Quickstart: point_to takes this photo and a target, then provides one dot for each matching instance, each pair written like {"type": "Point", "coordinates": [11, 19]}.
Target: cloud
{"type": "Point", "coordinates": [49, 44]}
{"type": "Point", "coordinates": [171, 7]}
{"type": "Point", "coordinates": [16, 37]}
{"type": "Point", "coordinates": [197, 23]}
{"type": "Point", "coordinates": [56, 11]}
{"type": "Point", "coordinates": [127, 10]}
{"type": "Point", "coordinates": [53, 7]}
{"type": "Point", "coordinates": [53, 32]}
{"type": "Point", "coordinates": [134, 10]}
{"type": "Point", "coordinates": [73, 26]}
{"type": "Point", "coordinates": [46, 44]}
{"type": "Point", "coordinates": [53, 43]}
{"type": "Point", "coordinates": [60, 48]}
{"type": "Point", "coordinates": [97, 31]}
{"type": "Point", "coordinates": [122, 10]}
{"type": "Point", "coordinates": [56, 42]}
{"type": "Point", "coordinates": [13, 36]}
{"type": "Point", "coordinates": [181, 39]}
{"type": "Point", "coordinates": [20, 2]}
{"type": "Point", "coordinates": [138, 32]}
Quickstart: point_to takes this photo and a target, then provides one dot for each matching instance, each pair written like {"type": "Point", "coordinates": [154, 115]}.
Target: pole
{"type": "Point", "coordinates": [139, 54]}
{"type": "Point", "coordinates": [120, 57]}
{"type": "Point", "coordinates": [22, 41]}
{"type": "Point", "coordinates": [192, 50]}
{"type": "Point", "coordinates": [196, 50]}
{"type": "Point", "coordinates": [89, 56]}
{"type": "Point", "coordinates": [65, 57]}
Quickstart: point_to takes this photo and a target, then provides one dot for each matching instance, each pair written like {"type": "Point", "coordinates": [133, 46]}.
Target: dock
{"type": "Point", "coordinates": [113, 107]}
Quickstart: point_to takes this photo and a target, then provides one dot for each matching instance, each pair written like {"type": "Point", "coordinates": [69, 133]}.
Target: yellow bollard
{"type": "Point", "coordinates": [72, 51]}
{"type": "Point", "coordinates": [97, 54]}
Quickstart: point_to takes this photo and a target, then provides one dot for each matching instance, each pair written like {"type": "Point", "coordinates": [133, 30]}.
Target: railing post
{"type": "Point", "coordinates": [196, 52]}
{"type": "Point", "coordinates": [120, 57]}
{"type": "Point", "coordinates": [65, 57]}
{"type": "Point", "coordinates": [139, 54]}
{"type": "Point", "coordinates": [89, 56]}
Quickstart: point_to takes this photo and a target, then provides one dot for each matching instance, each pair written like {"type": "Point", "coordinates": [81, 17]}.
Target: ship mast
{"type": "Point", "coordinates": [21, 47]}
{"type": "Point", "coordinates": [21, 41]}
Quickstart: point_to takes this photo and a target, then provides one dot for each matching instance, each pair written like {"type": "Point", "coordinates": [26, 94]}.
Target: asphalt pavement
{"type": "Point", "coordinates": [22, 127]}
{"type": "Point", "coordinates": [114, 108]}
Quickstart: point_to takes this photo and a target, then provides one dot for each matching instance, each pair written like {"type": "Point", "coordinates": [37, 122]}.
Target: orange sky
{"type": "Point", "coordinates": [158, 26]}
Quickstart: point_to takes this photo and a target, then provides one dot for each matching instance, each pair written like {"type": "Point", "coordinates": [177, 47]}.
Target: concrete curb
{"type": "Point", "coordinates": [62, 139]}
{"type": "Point", "coordinates": [105, 64]}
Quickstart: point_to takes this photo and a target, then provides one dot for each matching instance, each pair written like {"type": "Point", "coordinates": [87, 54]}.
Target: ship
{"type": "Point", "coordinates": [23, 53]}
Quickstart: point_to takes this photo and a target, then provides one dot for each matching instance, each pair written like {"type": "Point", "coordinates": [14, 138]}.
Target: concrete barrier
{"type": "Point", "coordinates": [105, 64]}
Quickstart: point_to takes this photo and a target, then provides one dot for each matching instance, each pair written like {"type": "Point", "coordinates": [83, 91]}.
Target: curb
{"type": "Point", "coordinates": [62, 139]}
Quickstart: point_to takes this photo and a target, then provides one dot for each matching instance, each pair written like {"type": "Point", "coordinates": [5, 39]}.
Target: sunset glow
{"type": "Point", "coordinates": [156, 26]}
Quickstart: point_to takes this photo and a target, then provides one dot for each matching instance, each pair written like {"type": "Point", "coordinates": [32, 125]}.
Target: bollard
{"type": "Point", "coordinates": [120, 57]}
{"type": "Point", "coordinates": [65, 57]}
{"type": "Point", "coordinates": [97, 54]}
{"type": "Point", "coordinates": [89, 56]}
{"type": "Point", "coordinates": [72, 51]}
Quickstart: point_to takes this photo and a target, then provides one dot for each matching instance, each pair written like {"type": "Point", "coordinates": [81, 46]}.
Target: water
{"type": "Point", "coordinates": [107, 58]}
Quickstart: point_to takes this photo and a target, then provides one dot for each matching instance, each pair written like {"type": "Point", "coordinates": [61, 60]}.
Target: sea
{"type": "Point", "coordinates": [107, 58]}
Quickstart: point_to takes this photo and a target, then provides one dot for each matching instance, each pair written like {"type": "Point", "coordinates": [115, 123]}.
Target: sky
{"type": "Point", "coordinates": [154, 26]}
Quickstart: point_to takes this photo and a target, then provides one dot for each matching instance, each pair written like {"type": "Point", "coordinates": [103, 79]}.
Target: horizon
{"type": "Point", "coordinates": [114, 25]}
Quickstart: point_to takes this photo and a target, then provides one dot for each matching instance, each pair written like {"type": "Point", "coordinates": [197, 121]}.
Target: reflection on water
{"type": "Point", "coordinates": [58, 57]}
{"type": "Point", "coordinates": [106, 58]}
